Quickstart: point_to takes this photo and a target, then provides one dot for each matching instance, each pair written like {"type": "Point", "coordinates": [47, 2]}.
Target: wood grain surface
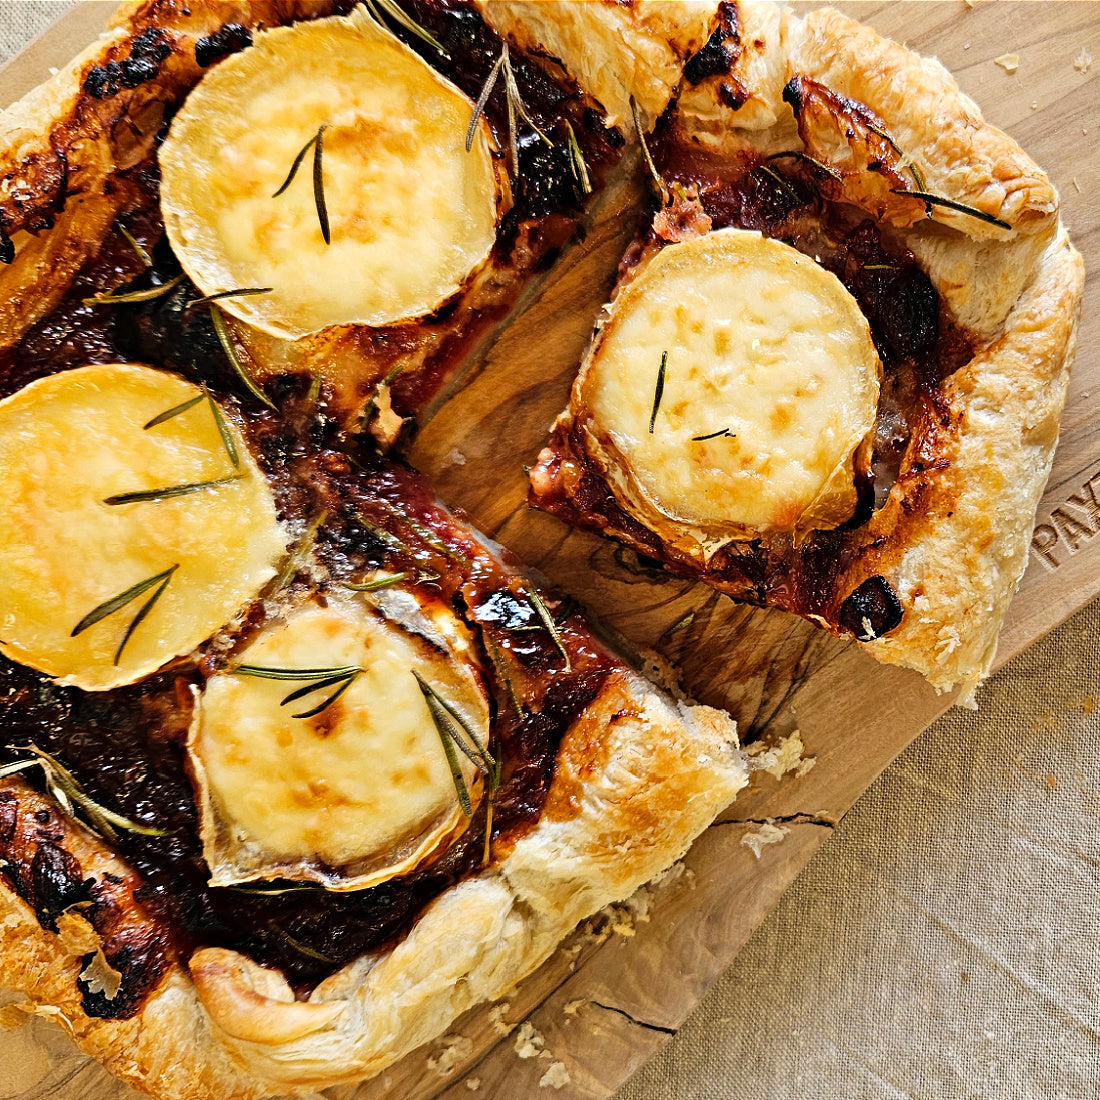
{"type": "Point", "coordinates": [625, 982]}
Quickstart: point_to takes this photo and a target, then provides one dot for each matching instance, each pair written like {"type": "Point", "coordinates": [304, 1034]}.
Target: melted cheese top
{"type": "Point", "coordinates": [353, 794]}
{"type": "Point", "coordinates": [70, 442]}
{"type": "Point", "coordinates": [770, 385]}
{"type": "Point", "coordinates": [411, 213]}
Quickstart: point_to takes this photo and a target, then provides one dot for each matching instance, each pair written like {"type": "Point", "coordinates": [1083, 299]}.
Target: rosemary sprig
{"type": "Point", "coordinates": [296, 165]}
{"type": "Point", "coordinates": [951, 204]}
{"type": "Point", "coordinates": [116, 603]}
{"type": "Point", "coordinates": [797, 154]}
{"type": "Point", "coordinates": [543, 613]}
{"type": "Point", "coordinates": [302, 549]}
{"type": "Point", "coordinates": [146, 495]}
{"type": "Point", "coordinates": [222, 329]}
{"type": "Point", "coordinates": [402, 19]}
{"type": "Point", "coordinates": [340, 677]}
{"type": "Point", "coordinates": [659, 184]}
{"type": "Point", "coordinates": [714, 435]}
{"type": "Point", "coordinates": [390, 541]}
{"type": "Point", "coordinates": [275, 891]}
{"type": "Point", "coordinates": [497, 657]}
{"type": "Point", "coordinates": [381, 580]}
{"type": "Point", "coordinates": [147, 295]}
{"type": "Point", "coordinates": [577, 162]}
{"type": "Point", "coordinates": [425, 534]}
{"type": "Point", "coordinates": [658, 390]}
{"type": "Point", "coordinates": [241, 292]}
{"type": "Point", "coordinates": [515, 104]}
{"type": "Point", "coordinates": [494, 786]}
{"type": "Point", "coordinates": [70, 796]}
{"type": "Point", "coordinates": [914, 171]}
{"type": "Point", "coordinates": [316, 144]}
{"type": "Point", "coordinates": [454, 732]}
{"type": "Point", "coordinates": [131, 240]}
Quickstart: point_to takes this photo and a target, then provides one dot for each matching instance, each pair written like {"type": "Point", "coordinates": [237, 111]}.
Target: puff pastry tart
{"type": "Point", "coordinates": [298, 765]}
{"type": "Point", "coordinates": [831, 374]}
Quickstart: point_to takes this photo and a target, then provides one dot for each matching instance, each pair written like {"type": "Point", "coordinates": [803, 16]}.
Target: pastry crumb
{"type": "Point", "coordinates": [454, 1050]}
{"type": "Point", "coordinates": [556, 1077]}
{"type": "Point", "coordinates": [529, 1041]}
{"type": "Point", "coordinates": [1083, 60]}
{"type": "Point", "coordinates": [455, 457]}
{"type": "Point", "coordinates": [782, 758]}
{"type": "Point", "coordinates": [473, 1083]}
{"type": "Point", "coordinates": [571, 1008]}
{"type": "Point", "coordinates": [1010, 62]}
{"type": "Point", "coordinates": [497, 1021]}
{"type": "Point", "coordinates": [1052, 782]}
{"type": "Point", "coordinates": [768, 833]}
{"type": "Point", "coordinates": [101, 977]}
{"type": "Point", "coordinates": [1078, 187]}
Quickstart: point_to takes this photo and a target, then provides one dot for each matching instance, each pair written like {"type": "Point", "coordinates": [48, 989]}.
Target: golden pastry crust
{"type": "Point", "coordinates": [890, 134]}
{"type": "Point", "coordinates": [638, 778]}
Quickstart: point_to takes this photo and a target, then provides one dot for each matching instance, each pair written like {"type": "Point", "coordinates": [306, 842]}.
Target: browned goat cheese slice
{"type": "Point", "coordinates": [318, 755]}
{"type": "Point", "coordinates": [730, 389]}
{"type": "Point", "coordinates": [124, 543]}
{"type": "Point", "coordinates": [367, 124]}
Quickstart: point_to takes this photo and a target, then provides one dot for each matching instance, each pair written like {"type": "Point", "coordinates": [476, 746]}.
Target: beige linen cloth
{"type": "Point", "coordinates": [945, 944]}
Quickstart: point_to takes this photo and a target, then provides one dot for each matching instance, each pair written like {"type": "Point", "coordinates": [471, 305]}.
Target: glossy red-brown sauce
{"type": "Point", "coordinates": [126, 747]}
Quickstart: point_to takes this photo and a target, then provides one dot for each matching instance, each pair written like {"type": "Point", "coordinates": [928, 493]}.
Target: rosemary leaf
{"type": "Point", "coordinates": [658, 390]}
{"type": "Point", "coordinates": [662, 189]}
{"type": "Point", "coordinates": [552, 628]}
{"type": "Point", "coordinates": [147, 295]}
{"type": "Point", "coordinates": [145, 495]}
{"type": "Point", "coordinates": [319, 185]}
{"type": "Point", "coordinates": [131, 240]}
{"type": "Point", "coordinates": [512, 89]}
{"type": "Point", "coordinates": [296, 165]}
{"type": "Point", "coordinates": [951, 204]}
{"type": "Point", "coordinates": [382, 580]}
{"type": "Point", "coordinates": [390, 541]}
{"type": "Point", "coordinates": [116, 603]}
{"type": "Point", "coordinates": [313, 394]}
{"type": "Point", "coordinates": [226, 342]}
{"type": "Point", "coordinates": [18, 766]}
{"type": "Point", "coordinates": [402, 19]}
{"type": "Point", "coordinates": [784, 185]}
{"type": "Point", "coordinates": [458, 730]}
{"type": "Point", "coordinates": [174, 411]}
{"type": "Point", "coordinates": [497, 657]}
{"type": "Point", "coordinates": [301, 551]}
{"type": "Point", "coordinates": [577, 162]}
{"type": "Point", "coordinates": [914, 171]}
{"type": "Point", "coordinates": [266, 672]}
{"type": "Point", "coordinates": [301, 948]}
{"type": "Point", "coordinates": [482, 99]}
{"type": "Point", "coordinates": [275, 891]}
{"type": "Point", "coordinates": [447, 742]}
{"type": "Point", "coordinates": [494, 786]}
{"type": "Point", "coordinates": [319, 685]}
{"type": "Point", "coordinates": [326, 703]}
{"type": "Point", "coordinates": [242, 292]}
{"type": "Point", "coordinates": [223, 429]}
{"type": "Point", "coordinates": [142, 615]}
{"type": "Point", "coordinates": [797, 154]}
{"type": "Point", "coordinates": [714, 435]}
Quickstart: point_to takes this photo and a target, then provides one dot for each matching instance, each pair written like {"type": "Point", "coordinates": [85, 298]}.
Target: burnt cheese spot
{"type": "Point", "coordinates": [720, 52]}
{"type": "Point", "coordinates": [871, 610]}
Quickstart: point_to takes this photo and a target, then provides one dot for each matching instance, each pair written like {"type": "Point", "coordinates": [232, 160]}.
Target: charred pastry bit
{"type": "Point", "coordinates": [7, 248]}
{"type": "Point", "coordinates": [871, 610]}
{"type": "Point", "coordinates": [230, 39]}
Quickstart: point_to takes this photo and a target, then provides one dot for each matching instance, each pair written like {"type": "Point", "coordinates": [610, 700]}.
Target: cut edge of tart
{"type": "Point", "coordinates": [134, 523]}
{"type": "Point", "coordinates": [289, 169]}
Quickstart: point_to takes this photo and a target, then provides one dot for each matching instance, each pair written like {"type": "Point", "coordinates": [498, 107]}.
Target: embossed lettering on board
{"type": "Point", "coordinates": [1069, 526]}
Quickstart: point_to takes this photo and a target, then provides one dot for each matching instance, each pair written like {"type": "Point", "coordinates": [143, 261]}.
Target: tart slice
{"type": "Point", "coordinates": [830, 378]}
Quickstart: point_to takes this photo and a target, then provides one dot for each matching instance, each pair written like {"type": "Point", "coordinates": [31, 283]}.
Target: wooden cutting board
{"type": "Point", "coordinates": [624, 983]}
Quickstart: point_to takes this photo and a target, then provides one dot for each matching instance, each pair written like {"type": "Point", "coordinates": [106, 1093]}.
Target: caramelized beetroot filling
{"type": "Point", "coordinates": [916, 338]}
{"type": "Point", "coordinates": [126, 747]}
